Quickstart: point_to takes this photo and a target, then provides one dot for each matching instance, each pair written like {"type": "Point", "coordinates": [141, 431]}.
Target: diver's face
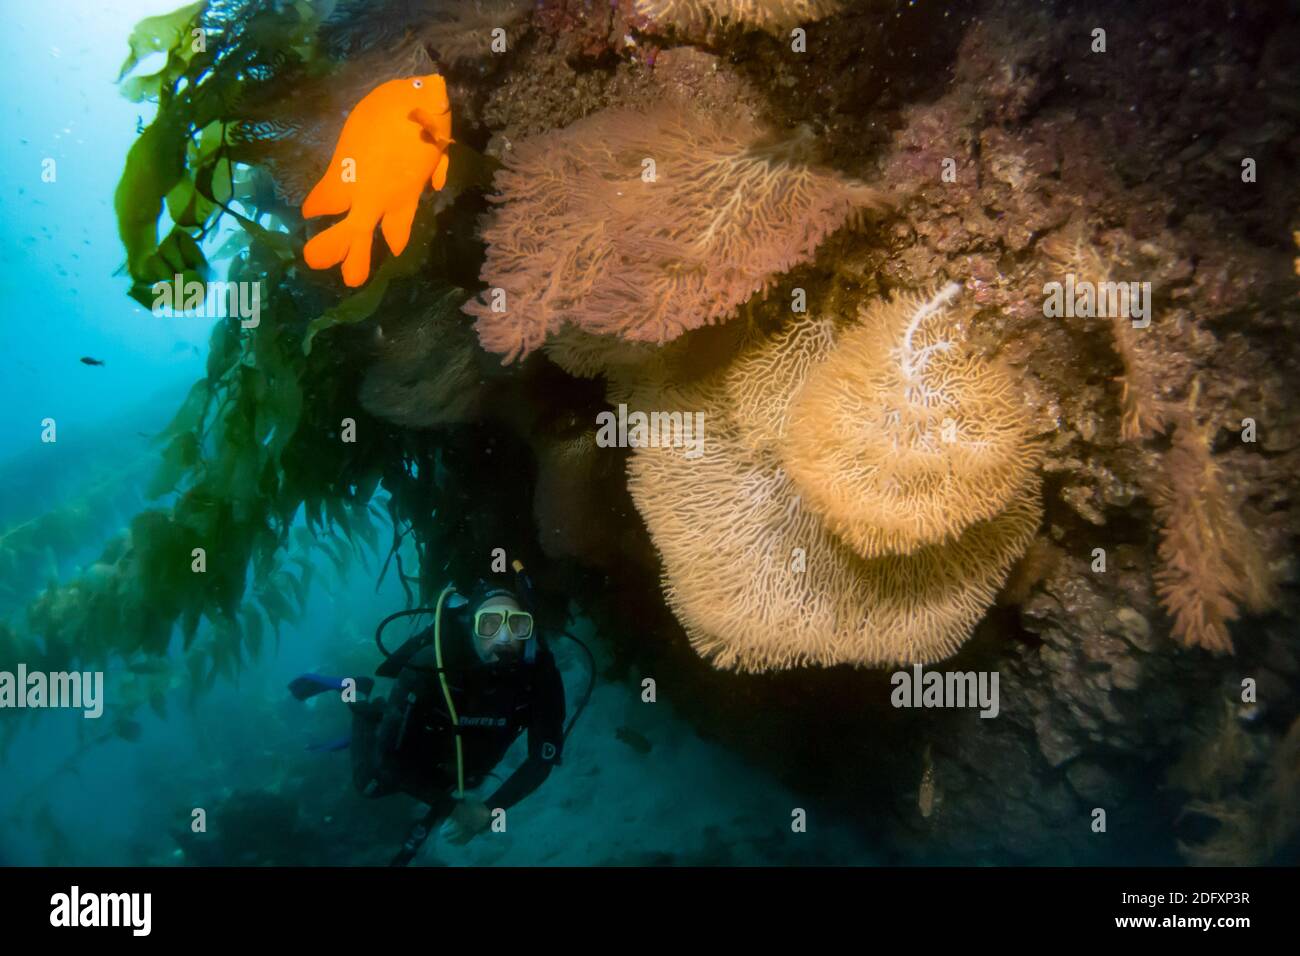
{"type": "Point", "coordinates": [501, 646]}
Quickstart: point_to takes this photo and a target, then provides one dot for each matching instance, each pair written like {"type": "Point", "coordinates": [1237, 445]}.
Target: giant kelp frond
{"type": "Point", "coordinates": [243, 457]}
{"type": "Point", "coordinates": [222, 56]}
{"type": "Point", "coordinates": [256, 444]}
{"type": "Point", "coordinates": [33, 550]}
{"type": "Point", "coordinates": [119, 614]}
{"type": "Point", "coordinates": [274, 435]}
{"type": "Point", "coordinates": [902, 437]}
{"type": "Point", "coordinates": [425, 371]}
{"type": "Point", "coordinates": [646, 225]}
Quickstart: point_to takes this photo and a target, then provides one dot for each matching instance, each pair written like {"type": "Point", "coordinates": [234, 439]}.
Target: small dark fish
{"type": "Point", "coordinates": [87, 360]}
{"type": "Point", "coordinates": [638, 742]}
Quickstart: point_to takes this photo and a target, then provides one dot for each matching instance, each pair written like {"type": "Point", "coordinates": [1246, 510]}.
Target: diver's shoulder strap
{"type": "Point", "coordinates": [392, 665]}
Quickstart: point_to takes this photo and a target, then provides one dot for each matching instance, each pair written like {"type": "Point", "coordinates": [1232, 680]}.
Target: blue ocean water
{"type": "Point", "coordinates": [61, 249]}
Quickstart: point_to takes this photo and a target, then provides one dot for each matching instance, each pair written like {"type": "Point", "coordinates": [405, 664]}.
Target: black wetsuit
{"type": "Point", "coordinates": [407, 743]}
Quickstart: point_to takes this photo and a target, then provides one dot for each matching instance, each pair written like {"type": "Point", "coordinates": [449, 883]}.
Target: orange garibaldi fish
{"type": "Point", "coordinates": [394, 141]}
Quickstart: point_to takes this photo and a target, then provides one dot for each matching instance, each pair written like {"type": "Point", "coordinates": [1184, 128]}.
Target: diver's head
{"type": "Point", "coordinates": [499, 627]}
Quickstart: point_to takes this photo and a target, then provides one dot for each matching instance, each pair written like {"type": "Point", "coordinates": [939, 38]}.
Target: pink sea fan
{"type": "Point", "coordinates": [647, 224]}
{"type": "Point", "coordinates": [774, 16]}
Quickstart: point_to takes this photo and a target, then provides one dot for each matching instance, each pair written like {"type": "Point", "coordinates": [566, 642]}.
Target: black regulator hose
{"type": "Point", "coordinates": [409, 612]}
{"type": "Point", "coordinates": [591, 683]}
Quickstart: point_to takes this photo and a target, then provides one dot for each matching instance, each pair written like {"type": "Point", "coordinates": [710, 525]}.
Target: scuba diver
{"type": "Point", "coordinates": [466, 688]}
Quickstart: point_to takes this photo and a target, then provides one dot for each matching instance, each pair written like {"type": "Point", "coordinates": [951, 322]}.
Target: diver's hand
{"type": "Point", "coordinates": [470, 818]}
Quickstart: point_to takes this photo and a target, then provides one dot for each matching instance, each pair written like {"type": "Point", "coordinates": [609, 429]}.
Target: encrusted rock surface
{"type": "Point", "coordinates": [1140, 148]}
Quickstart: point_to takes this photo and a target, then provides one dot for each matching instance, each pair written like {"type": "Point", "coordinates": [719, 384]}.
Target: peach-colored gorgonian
{"type": "Point", "coordinates": [758, 565]}
{"type": "Point", "coordinates": [774, 16]}
{"type": "Point", "coordinates": [903, 436]}
{"type": "Point", "coordinates": [760, 583]}
{"type": "Point", "coordinates": [644, 225]}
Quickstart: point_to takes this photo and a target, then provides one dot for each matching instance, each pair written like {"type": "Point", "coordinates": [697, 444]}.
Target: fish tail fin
{"type": "Point", "coordinates": [356, 266]}
{"type": "Point", "coordinates": [329, 197]}
{"type": "Point", "coordinates": [343, 242]}
{"type": "Point", "coordinates": [329, 247]}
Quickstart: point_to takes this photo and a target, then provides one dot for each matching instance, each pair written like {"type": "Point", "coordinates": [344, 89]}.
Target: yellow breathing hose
{"type": "Point", "coordinates": [446, 692]}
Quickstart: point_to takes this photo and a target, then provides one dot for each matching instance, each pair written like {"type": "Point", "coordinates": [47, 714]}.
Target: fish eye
{"type": "Point", "coordinates": [419, 84]}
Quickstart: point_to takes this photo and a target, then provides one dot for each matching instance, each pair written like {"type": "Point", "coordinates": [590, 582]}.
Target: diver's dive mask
{"type": "Point", "coordinates": [499, 625]}
{"type": "Point", "coordinates": [503, 624]}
